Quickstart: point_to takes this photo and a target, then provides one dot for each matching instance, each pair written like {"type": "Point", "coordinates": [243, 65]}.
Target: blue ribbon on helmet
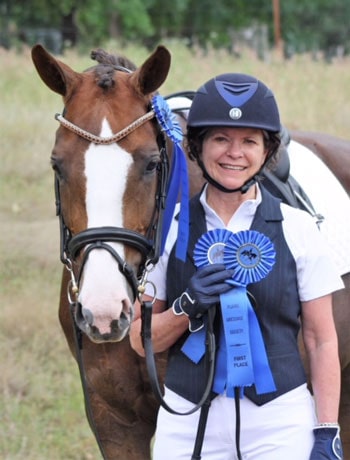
{"type": "Point", "coordinates": [178, 181]}
{"type": "Point", "coordinates": [241, 359]}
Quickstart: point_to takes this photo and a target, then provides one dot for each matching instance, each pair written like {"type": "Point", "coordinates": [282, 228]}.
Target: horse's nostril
{"type": "Point", "coordinates": [124, 321]}
{"type": "Point", "coordinates": [88, 316]}
{"type": "Point", "coordinates": [122, 324]}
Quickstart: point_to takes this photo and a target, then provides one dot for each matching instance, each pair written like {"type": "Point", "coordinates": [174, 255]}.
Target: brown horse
{"type": "Point", "coordinates": [107, 186]}
{"type": "Point", "coordinates": [106, 183]}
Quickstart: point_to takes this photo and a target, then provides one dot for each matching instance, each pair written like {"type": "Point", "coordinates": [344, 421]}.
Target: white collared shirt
{"type": "Point", "coordinates": [316, 273]}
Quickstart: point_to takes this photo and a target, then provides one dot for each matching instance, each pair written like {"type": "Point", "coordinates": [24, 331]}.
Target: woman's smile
{"type": "Point", "coordinates": [232, 167]}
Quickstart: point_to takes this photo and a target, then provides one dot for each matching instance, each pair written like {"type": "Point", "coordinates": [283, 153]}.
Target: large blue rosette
{"type": "Point", "coordinates": [251, 254]}
{"type": "Point", "coordinates": [241, 358]}
{"type": "Point", "coordinates": [178, 181]}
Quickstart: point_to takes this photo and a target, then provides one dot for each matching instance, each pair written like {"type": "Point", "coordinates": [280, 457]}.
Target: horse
{"type": "Point", "coordinates": [109, 163]}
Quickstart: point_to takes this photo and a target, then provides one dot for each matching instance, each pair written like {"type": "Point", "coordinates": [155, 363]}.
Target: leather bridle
{"type": "Point", "coordinates": [147, 245]}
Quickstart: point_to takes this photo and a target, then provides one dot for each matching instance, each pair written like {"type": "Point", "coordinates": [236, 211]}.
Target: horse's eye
{"type": "Point", "coordinates": [56, 166]}
{"type": "Point", "coordinates": [152, 165]}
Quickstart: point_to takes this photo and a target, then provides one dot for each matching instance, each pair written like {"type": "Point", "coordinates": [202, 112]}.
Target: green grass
{"type": "Point", "coordinates": [41, 403]}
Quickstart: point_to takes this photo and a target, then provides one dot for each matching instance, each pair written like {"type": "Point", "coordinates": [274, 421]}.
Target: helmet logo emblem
{"type": "Point", "coordinates": [235, 113]}
{"type": "Point", "coordinates": [236, 94]}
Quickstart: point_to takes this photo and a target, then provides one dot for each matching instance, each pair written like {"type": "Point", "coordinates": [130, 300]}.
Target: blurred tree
{"type": "Point", "coordinates": [123, 19]}
{"type": "Point", "coordinates": [89, 20]}
{"type": "Point", "coordinates": [167, 20]}
{"type": "Point", "coordinates": [222, 23]}
{"type": "Point", "coordinates": [316, 25]}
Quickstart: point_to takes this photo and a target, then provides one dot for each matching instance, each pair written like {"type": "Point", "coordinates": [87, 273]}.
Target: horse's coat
{"type": "Point", "coordinates": [115, 185]}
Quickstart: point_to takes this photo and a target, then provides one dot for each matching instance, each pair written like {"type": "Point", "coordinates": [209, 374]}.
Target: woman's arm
{"type": "Point", "coordinates": [321, 345]}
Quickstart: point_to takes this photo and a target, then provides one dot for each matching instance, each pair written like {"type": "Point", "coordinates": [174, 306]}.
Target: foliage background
{"type": "Point", "coordinates": [306, 25]}
{"type": "Point", "coordinates": [41, 403]}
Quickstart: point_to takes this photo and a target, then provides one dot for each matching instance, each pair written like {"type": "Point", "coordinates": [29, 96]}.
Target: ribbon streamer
{"type": "Point", "coordinates": [239, 365]}
{"type": "Point", "coordinates": [178, 178]}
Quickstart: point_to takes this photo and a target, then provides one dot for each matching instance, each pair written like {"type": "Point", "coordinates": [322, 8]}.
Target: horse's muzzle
{"type": "Point", "coordinates": [118, 328]}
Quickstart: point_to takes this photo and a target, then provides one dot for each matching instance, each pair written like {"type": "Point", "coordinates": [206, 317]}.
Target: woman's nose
{"type": "Point", "coordinates": [235, 149]}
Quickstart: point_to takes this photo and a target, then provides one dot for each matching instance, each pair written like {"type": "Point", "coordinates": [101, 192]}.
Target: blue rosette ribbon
{"type": "Point", "coordinates": [241, 358]}
{"type": "Point", "coordinates": [178, 181]}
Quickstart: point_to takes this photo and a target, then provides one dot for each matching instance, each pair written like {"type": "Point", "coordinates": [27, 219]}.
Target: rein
{"type": "Point", "coordinates": [205, 401]}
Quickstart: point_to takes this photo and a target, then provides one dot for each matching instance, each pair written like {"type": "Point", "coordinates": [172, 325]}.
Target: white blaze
{"type": "Point", "coordinates": [104, 287]}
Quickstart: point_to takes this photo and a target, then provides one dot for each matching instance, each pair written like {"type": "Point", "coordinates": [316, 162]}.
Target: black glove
{"type": "Point", "coordinates": [204, 289]}
{"type": "Point", "coordinates": [327, 444]}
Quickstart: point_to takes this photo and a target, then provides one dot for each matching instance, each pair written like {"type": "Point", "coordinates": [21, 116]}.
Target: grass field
{"type": "Point", "coordinates": [41, 405]}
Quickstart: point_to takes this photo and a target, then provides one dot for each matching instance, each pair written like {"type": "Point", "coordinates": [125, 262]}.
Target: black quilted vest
{"type": "Point", "coordinates": [277, 308]}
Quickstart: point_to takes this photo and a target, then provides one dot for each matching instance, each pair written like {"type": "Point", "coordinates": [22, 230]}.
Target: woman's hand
{"type": "Point", "coordinates": [327, 444]}
{"type": "Point", "coordinates": [203, 292]}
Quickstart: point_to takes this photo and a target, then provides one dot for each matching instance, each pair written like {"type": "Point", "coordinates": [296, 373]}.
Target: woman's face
{"type": "Point", "coordinates": [232, 156]}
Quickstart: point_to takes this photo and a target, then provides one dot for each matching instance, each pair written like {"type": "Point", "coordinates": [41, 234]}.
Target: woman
{"type": "Point", "coordinates": [233, 128]}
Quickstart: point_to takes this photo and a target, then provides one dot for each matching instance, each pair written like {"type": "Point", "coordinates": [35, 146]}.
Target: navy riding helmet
{"type": "Point", "coordinates": [233, 100]}
{"type": "Point", "coordinates": [237, 100]}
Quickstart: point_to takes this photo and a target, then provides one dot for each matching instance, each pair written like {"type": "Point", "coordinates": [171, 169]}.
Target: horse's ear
{"type": "Point", "coordinates": [55, 74]}
{"type": "Point", "coordinates": [153, 72]}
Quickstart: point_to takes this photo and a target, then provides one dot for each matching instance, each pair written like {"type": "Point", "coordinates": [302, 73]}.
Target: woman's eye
{"type": "Point", "coordinates": [221, 139]}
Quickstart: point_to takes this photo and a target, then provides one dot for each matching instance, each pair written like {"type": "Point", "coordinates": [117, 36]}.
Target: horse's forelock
{"type": "Point", "coordinates": [107, 66]}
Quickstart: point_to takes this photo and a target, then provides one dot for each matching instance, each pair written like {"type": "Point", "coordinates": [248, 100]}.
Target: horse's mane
{"type": "Point", "coordinates": [108, 63]}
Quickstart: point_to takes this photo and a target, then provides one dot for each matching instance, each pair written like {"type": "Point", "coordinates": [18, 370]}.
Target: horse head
{"type": "Point", "coordinates": [106, 159]}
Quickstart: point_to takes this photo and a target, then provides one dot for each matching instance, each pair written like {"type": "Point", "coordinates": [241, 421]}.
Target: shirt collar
{"type": "Point", "coordinates": [245, 212]}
